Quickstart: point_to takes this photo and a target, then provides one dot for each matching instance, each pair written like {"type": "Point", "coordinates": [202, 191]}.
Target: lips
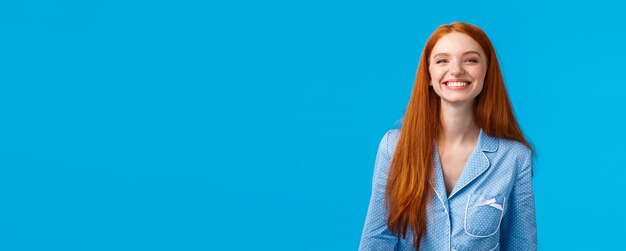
{"type": "Point", "coordinates": [457, 84]}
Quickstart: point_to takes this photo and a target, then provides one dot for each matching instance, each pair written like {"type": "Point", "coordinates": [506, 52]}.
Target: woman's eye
{"type": "Point", "coordinates": [442, 61]}
{"type": "Point", "coordinates": [471, 60]}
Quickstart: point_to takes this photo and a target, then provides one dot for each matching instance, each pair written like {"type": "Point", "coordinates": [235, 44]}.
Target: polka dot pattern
{"type": "Point", "coordinates": [490, 208]}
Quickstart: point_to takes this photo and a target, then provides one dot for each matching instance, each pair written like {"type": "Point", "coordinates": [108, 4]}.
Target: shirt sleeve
{"type": "Point", "coordinates": [376, 235]}
{"type": "Point", "coordinates": [519, 229]}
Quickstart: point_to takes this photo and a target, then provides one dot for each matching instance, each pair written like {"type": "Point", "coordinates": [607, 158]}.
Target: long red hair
{"type": "Point", "coordinates": [408, 191]}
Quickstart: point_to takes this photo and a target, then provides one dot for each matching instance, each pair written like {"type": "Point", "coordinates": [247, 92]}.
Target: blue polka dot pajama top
{"type": "Point", "coordinates": [490, 208]}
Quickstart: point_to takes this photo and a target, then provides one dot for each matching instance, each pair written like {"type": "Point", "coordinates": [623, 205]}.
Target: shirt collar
{"type": "Point", "coordinates": [477, 163]}
{"type": "Point", "coordinates": [487, 143]}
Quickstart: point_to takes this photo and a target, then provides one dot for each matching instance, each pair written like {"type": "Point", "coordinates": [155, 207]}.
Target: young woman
{"type": "Point", "coordinates": [457, 175]}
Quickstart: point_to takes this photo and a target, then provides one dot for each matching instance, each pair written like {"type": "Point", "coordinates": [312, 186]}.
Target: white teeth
{"type": "Point", "coordinates": [457, 84]}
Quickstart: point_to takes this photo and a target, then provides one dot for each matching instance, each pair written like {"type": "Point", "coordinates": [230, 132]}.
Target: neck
{"type": "Point", "coordinates": [458, 123]}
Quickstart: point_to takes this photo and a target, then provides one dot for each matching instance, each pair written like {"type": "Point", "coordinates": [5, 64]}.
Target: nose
{"type": "Point", "coordinates": [456, 69]}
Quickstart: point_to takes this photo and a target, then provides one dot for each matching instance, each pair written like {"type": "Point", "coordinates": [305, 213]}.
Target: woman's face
{"type": "Point", "coordinates": [457, 68]}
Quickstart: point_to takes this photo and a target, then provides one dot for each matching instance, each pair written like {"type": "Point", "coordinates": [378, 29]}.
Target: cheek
{"type": "Point", "coordinates": [435, 75]}
{"type": "Point", "coordinates": [434, 80]}
{"type": "Point", "coordinates": [479, 74]}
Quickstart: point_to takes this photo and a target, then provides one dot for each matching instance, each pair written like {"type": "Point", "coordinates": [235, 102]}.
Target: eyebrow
{"type": "Point", "coordinates": [446, 54]}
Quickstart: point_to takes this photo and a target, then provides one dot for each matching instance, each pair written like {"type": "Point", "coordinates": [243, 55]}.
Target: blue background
{"type": "Point", "coordinates": [237, 125]}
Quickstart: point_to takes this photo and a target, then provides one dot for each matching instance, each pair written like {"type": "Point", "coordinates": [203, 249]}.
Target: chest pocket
{"type": "Point", "coordinates": [483, 214]}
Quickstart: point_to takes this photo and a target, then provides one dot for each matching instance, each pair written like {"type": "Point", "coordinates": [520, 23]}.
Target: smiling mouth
{"type": "Point", "coordinates": [456, 83]}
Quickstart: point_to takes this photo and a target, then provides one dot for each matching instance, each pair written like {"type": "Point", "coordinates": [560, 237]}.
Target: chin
{"type": "Point", "coordinates": [458, 100]}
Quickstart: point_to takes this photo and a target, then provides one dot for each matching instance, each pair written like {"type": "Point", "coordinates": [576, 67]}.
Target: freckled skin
{"type": "Point", "coordinates": [452, 57]}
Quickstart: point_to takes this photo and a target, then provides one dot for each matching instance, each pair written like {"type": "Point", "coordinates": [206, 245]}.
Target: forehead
{"type": "Point", "coordinates": [456, 43]}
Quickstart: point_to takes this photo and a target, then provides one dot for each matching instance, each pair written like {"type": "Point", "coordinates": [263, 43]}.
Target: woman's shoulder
{"type": "Point", "coordinates": [513, 146]}
{"type": "Point", "coordinates": [393, 134]}
{"type": "Point", "coordinates": [513, 151]}
{"type": "Point", "coordinates": [386, 149]}
{"type": "Point", "coordinates": [390, 139]}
